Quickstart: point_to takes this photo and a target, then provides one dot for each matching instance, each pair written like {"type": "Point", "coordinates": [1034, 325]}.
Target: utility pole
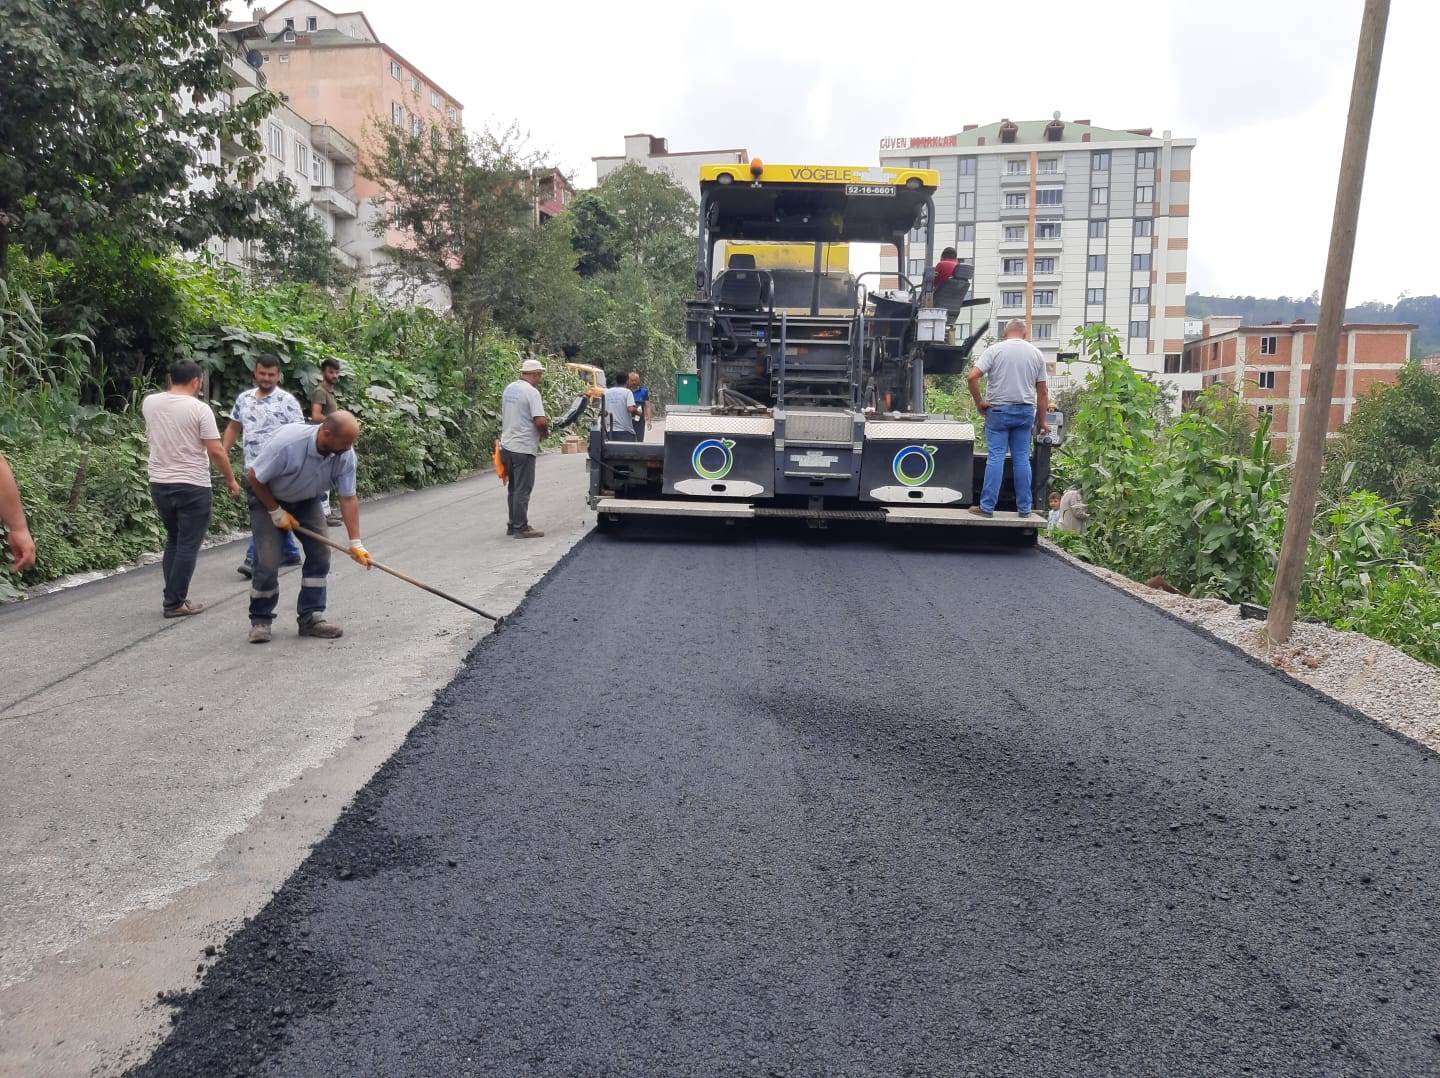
{"type": "Point", "coordinates": [1315, 420]}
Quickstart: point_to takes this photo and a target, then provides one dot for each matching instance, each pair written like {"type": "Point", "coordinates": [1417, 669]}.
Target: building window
{"type": "Point", "coordinates": [1049, 166]}
{"type": "Point", "coordinates": [395, 70]}
{"type": "Point", "coordinates": [1045, 297]}
{"type": "Point", "coordinates": [415, 86]}
{"type": "Point", "coordinates": [1172, 362]}
{"type": "Point", "coordinates": [434, 99]}
{"type": "Point", "coordinates": [1140, 295]}
{"type": "Point", "coordinates": [302, 158]}
{"type": "Point", "coordinates": [1043, 331]}
{"type": "Point", "coordinates": [1140, 328]}
{"type": "Point", "coordinates": [965, 200]}
{"type": "Point", "coordinates": [1015, 200]}
{"type": "Point", "coordinates": [1145, 194]}
{"type": "Point", "coordinates": [284, 57]}
{"type": "Point", "coordinates": [1012, 299]}
{"type": "Point", "coordinates": [312, 23]}
{"type": "Point", "coordinates": [1100, 162]}
{"type": "Point", "coordinates": [1049, 196]}
{"type": "Point", "coordinates": [450, 113]}
{"type": "Point", "coordinates": [397, 113]}
{"type": "Point", "coordinates": [1044, 265]}
{"type": "Point", "coordinates": [290, 25]}
{"type": "Point", "coordinates": [1144, 226]}
{"type": "Point", "coordinates": [1140, 262]}
{"type": "Point", "coordinates": [1015, 168]}
{"type": "Point", "coordinates": [277, 142]}
{"type": "Point", "coordinates": [417, 125]}
{"type": "Point", "coordinates": [965, 234]}
{"type": "Point", "coordinates": [1047, 230]}
{"type": "Point", "coordinates": [317, 170]}
{"type": "Point", "coordinates": [967, 166]}
{"type": "Point", "coordinates": [1267, 346]}
{"type": "Point", "coordinates": [1095, 296]}
{"type": "Point", "coordinates": [1098, 230]}
{"type": "Point", "coordinates": [1099, 196]}
{"type": "Point", "coordinates": [1095, 263]}
{"type": "Point", "coordinates": [1265, 409]}
{"type": "Point", "coordinates": [1014, 232]}
{"type": "Point", "coordinates": [1266, 379]}
{"type": "Point", "coordinates": [1145, 159]}
{"type": "Point", "coordinates": [919, 162]}
{"type": "Point", "coordinates": [1012, 265]}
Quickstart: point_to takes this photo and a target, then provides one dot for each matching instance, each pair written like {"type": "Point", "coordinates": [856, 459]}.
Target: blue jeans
{"type": "Point", "coordinates": [1007, 427]}
{"type": "Point", "coordinates": [292, 549]}
{"type": "Point", "coordinates": [265, 584]}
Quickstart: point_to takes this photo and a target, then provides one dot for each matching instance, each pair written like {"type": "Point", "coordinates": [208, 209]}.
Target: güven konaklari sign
{"type": "Point", "coordinates": [918, 142]}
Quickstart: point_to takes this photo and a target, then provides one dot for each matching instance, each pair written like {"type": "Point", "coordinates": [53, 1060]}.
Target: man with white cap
{"type": "Point", "coordinates": [522, 424]}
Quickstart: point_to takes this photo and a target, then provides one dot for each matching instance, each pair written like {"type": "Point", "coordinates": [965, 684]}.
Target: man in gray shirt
{"type": "Point", "coordinates": [1015, 390]}
{"type": "Point", "coordinates": [522, 424]}
{"type": "Point", "coordinates": [288, 483]}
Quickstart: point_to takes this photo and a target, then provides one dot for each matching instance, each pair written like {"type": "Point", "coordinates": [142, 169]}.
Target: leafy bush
{"type": "Point", "coordinates": [1199, 501]}
{"type": "Point", "coordinates": [427, 416]}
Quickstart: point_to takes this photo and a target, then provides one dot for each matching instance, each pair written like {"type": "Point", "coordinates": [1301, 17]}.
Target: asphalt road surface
{"type": "Point", "coordinates": [783, 807]}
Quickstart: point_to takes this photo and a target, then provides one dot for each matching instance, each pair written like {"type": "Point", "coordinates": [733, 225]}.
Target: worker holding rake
{"type": "Point", "coordinates": [288, 483]}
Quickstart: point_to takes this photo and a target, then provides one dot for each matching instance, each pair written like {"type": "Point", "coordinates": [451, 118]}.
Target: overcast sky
{"type": "Point", "coordinates": [1263, 85]}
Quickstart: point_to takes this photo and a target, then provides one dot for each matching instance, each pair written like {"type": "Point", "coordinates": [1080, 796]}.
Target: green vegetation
{"type": "Point", "coordinates": [427, 416]}
{"type": "Point", "coordinates": [1200, 500]}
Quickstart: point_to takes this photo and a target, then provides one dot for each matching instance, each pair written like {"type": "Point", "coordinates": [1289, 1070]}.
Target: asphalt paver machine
{"type": "Point", "coordinates": [811, 379]}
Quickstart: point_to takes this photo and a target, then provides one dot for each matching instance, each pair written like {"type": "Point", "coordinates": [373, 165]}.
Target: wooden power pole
{"type": "Point", "coordinates": [1315, 420]}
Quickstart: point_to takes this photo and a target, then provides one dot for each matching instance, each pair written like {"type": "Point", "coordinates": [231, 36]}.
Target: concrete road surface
{"type": "Point", "coordinates": [777, 806]}
{"type": "Point", "coordinates": [161, 777]}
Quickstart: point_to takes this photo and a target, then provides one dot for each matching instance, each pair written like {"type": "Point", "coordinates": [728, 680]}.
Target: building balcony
{"type": "Point", "coordinates": [1010, 278]}
{"type": "Point", "coordinates": [1014, 211]}
{"type": "Point", "coordinates": [1022, 244]}
{"type": "Point", "coordinates": [1051, 244]}
{"type": "Point", "coordinates": [1015, 179]}
{"type": "Point", "coordinates": [1047, 276]}
{"type": "Point", "coordinates": [333, 144]}
{"type": "Point", "coordinates": [333, 201]}
{"type": "Point", "coordinates": [344, 258]}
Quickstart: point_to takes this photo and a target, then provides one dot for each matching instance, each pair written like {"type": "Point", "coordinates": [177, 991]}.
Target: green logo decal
{"type": "Point", "coordinates": [720, 458]}
{"type": "Point", "coordinates": [914, 465]}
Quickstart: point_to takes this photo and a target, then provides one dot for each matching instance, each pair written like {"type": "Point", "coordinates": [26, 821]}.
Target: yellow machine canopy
{"type": "Point", "coordinates": [813, 203]}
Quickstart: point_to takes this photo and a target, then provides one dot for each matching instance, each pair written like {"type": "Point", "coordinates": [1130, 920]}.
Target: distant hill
{"type": "Point", "coordinates": [1424, 311]}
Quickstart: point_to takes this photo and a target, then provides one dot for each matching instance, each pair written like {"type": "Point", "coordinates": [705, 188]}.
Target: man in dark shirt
{"type": "Point", "coordinates": [323, 405]}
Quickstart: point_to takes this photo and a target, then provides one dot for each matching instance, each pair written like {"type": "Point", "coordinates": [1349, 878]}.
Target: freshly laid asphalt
{"type": "Point", "coordinates": [788, 805]}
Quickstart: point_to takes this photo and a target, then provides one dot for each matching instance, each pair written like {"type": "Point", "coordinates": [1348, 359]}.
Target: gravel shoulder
{"type": "Point", "coordinates": [778, 806]}
{"type": "Point", "coordinates": [1394, 689]}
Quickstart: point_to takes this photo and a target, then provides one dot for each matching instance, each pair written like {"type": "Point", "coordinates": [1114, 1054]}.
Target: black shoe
{"type": "Point", "coordinates": [246, 569]}
{"type": "Point", "coordinates": [293, 559]}
{"type": "Point", "coordinates": [977, 511]}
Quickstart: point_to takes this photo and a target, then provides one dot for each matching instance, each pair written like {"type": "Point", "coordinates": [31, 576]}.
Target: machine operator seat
{"type": "Point", "coordinates": [743, 289]}
{"type": "Point", "coordinates": [951, 295]}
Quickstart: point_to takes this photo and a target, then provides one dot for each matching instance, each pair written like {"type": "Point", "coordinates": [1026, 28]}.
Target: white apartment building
{"type": "Point", "coordinates": [317, 158]}
{"type": "Point", "coordinates": [1066, 224]}
{"type": "Point", "coordinates": [654, 153]}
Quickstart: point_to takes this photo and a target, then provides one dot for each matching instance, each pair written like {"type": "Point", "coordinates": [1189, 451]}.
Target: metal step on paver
{"type": "Point", "coordinates": [920, 514]}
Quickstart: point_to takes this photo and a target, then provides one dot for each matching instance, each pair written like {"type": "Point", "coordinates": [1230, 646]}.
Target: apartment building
{"type": "Point", "coordinates": [682, 166]}
{"type": "Point", "coordinates": [317, 158]}
{"type": "Point", "coordinates": [333, 68]}
{"type": "Point", "coordinates": [550, 194]}
{"type": "Point", "coordinates": [1066, 223]}
{"type": "Point", "coordinates": [1269, 366]}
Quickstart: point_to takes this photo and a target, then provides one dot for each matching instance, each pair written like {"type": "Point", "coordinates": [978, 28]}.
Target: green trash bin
{"type": "Point", "coordinates": [687, 389]}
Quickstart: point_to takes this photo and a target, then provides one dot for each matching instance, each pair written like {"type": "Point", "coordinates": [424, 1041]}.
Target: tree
{"type": "Point", "coordinates": [654, 221]}
{"type": "Point", "coordinates": [1393, 443]}
{"type": "Point", "coordinates": [112, 115]}
{"type": "Point", "coordinates": [595, 234]}
{"type": "Point", "coordinates": [294, 245]}
{"type": "Point", "coordinates": [463, 206]}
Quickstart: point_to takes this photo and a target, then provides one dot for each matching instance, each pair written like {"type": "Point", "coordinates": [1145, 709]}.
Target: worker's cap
{"type": "Point", "coordinates": [530, 366]}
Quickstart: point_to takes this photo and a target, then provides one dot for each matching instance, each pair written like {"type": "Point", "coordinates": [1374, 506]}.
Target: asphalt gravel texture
{"type": "Point", "coordinates": [821, 805]}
